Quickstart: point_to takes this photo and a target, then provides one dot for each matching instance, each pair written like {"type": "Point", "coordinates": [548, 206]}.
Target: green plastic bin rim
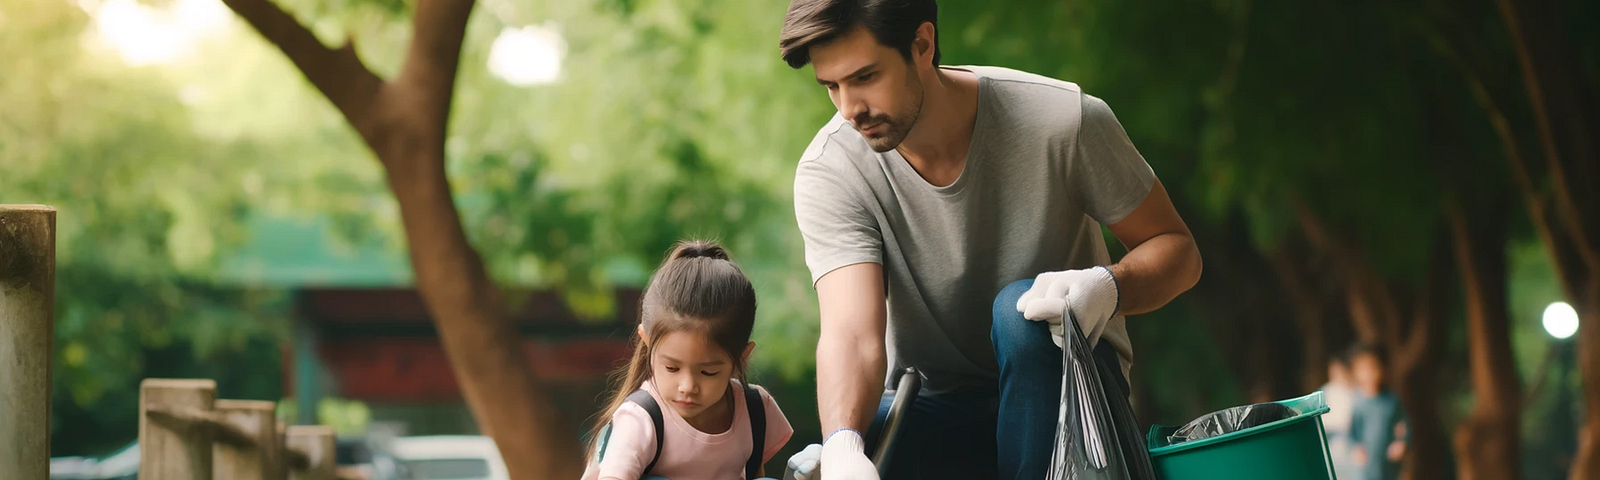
{"type": "Point", "coordinates": [1256, 430]}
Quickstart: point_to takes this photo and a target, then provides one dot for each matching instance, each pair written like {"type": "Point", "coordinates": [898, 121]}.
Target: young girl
{"type": "Point", "coordinates": [689, 357]}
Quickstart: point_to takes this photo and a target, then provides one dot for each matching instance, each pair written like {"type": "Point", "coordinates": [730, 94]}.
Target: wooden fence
{"type": "Point", "coordinates": [185, 433]}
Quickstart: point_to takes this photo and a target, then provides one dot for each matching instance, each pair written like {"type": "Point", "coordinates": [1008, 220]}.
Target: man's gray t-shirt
{"type": "Point", "coordinates": [1047, 166]}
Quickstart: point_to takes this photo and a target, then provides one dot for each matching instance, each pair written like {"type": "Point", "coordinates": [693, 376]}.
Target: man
{"type": "Point", "coordinates": [924, 202]}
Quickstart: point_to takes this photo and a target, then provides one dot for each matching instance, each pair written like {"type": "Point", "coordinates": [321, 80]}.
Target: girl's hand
{"type": "Point", "coordinates": [1396, 450]}
{"type": "Point", "coordinates": [804, 464]}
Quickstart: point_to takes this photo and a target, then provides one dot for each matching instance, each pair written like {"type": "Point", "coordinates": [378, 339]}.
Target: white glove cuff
{"type": "Point", "coordinates": [845, 438]}
{"type": "Point", "coordinates": [1107, 288]}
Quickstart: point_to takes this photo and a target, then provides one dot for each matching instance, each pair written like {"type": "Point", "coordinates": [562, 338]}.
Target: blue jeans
{"type": "Point", "coordinates": [1007, 432]}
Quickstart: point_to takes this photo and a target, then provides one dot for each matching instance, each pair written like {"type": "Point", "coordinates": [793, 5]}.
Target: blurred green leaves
{"type": "Point", "coordinates": [183, 188]}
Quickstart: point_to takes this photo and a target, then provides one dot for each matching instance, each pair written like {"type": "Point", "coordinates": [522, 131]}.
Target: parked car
{"type": "Point", "coordinates": [72, 468]}
{"type": "Point", "coordinates": [453, 457]}
{"type": "Point", "coordinates": [364, 459]}
{"type": "Point", "coordinates": [361, 458]}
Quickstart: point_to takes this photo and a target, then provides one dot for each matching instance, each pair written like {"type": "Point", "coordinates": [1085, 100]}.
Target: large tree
{"type": "Point", "coordinates": [545, 181]}
{"type": "Point", "coordinates": [404, 120]}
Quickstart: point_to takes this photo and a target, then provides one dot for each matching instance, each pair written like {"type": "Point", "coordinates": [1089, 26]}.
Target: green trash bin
{"type": "Point", "coordinates": [1294, 448]}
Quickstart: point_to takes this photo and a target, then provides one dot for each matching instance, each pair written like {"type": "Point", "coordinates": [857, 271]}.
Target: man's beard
{"type": "Point", "coordinates": [896, 128]}
{"type": "Point", "coordinates": [891, 135]}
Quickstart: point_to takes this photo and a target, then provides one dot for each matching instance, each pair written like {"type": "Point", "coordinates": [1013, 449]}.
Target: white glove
{"type": "Point", "coordinates": [844, 457]}
{"type": "Point", "coordinates": [1090, 294]}
{"type": "Point", "coordinates": [804, 464]}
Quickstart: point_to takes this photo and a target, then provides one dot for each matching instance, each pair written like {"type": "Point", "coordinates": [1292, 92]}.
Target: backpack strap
{"type": "Point", "coordinates": [754, 405]}
{"type": "Point", "coordinates": [642, 398]}
{"type": "Point", "coordinates": [758, 430]}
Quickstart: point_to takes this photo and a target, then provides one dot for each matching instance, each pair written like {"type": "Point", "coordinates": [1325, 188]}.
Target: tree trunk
{"type": "Point", "coordinates": [1487, 441]}
{"type": "Point", "coordinates": [1366, 297]}
{"type": "Point", "coordinates": [478, 336]}
{"type": "Point", "coordinates": [1563, 114]}
{"type": "Point", "coordinates": [1586, 464]}
{"type": "Point", "coordinates": [1477, 212]}
{"type": "Point", "coordinates": [1418, 354]}
{"type": "Point", "coordinates": [1304, 284]}
{"type": "Point", "coordinates": [1582, 288]}
{"type": "Point", "coordinates": [403, 121]}
{"type": "Point", "coordinates": [1245, 310]}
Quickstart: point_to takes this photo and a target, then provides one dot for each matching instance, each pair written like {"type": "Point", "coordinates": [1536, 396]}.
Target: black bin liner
{"type": "Point", "coordinates": [1086, 446]}
{"type": "Point", "coordinates": [1230, 420]}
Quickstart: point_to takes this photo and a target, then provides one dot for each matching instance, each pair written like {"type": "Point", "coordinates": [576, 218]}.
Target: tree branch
{"type": "Point", "coordinates": [1445, 33]}
{"type": "Point", "coordinates": [337, 73]}
{"type": "Point", "coordinates": [1310, 317]}
{"type": "Point", "coordinates": [1561, 245]}
{"type": "Point", "coordinates": [1535, 82]}
{"type": "Point", "coordinates": [1562, 249]}
{"type": "Point", "coordinates": [434, 55]}
{"type": "Point", "coordinates": [1373, 309]}
{"type": "Point", "coordinates": [1423, 336]}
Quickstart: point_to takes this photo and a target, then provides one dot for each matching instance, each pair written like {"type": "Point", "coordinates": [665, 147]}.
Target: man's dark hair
{"type": "Point", "coordinates": [893, 23]}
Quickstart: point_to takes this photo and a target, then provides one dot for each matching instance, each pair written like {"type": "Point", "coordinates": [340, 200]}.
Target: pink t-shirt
{"type": "Point", "coordinates": [689, 454]}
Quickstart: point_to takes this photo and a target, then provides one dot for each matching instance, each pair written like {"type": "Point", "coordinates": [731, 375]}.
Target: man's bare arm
{"type": "Point", "coordinates": [1162, 259]}
{"type": "Point", "coordinates": [850, 352]}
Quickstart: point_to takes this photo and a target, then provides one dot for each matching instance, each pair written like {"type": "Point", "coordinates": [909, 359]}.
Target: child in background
{"type": "Point", "coordinates": [692, 345]}
{"type": "Point", "coordinates": [1377, 424]}
{"type": "Point", "coordinates": [1341, 397]}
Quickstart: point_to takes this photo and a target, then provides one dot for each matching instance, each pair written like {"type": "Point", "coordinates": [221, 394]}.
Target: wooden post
{"type": "Point", "coordinates": [27, 313]}
{"type": "Point", "coordinates": [256, 457]}
{"type": "Point", "coordinates": [280, 439]}
{"type": "Point", "coordinates": [316, 441]}
{"type": "Point", "coordinates": [172, 450]}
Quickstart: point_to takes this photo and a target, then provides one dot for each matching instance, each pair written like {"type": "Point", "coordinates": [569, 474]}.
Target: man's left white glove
{"type": "Point", "coordinates": [1089, 294]}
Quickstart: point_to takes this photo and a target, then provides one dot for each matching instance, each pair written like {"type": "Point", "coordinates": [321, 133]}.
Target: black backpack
{"type": "Point", "coordinates": [758, 429]}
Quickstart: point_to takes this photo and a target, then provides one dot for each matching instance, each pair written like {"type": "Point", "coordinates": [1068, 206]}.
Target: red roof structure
{"type": "Point", "coordinates": [380, 345]}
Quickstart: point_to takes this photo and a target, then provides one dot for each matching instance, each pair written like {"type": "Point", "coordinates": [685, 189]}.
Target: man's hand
{"type": "Point", "coordinates": [844, 457]}
{"type": "Point", "coordinates": [1089, 294]}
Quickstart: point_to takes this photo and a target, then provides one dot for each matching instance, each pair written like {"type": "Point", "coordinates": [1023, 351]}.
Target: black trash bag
{"type": "Point", "coordinates": [1086, 446]}
{"type": "Point", "coordinates": [1231, 420]}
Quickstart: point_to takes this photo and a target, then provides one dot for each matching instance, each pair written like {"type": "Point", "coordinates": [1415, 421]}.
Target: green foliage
{"type": "Point", "coordinates": [146, 207]}
{"type": "Point", "coordinates": [670, 122]}
{"type": "Point", "coordinates": [185, 188]}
